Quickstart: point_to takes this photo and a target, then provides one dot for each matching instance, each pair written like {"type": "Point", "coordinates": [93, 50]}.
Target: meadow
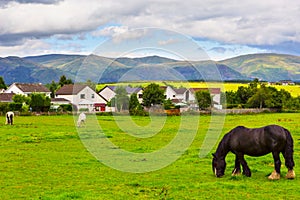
{"type": "Point", "coordinates": [43, 157]}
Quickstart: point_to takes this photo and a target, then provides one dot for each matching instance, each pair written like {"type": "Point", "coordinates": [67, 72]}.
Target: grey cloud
{"type": "Point", "coordinates": [218, 49]}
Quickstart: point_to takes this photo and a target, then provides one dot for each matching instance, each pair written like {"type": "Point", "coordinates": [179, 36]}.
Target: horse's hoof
{"type": "Point", "coordinates": [236, 172]}
{"type": "Point", "coordinates": [247, 173]}
{"type": "Point", "coordinates": [291, 174]}
{"type": "Point", "coordinates": [274, 176]}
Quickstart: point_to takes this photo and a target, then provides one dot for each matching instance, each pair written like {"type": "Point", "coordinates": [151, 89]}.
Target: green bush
{"type": "Point", "coordinates": [66, 107]}
{"type": "Point", "coordinates": [4, 107]}
{"type": "Point", "coordinates": [15, 106]}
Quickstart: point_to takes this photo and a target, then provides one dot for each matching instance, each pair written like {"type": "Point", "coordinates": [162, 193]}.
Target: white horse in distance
{"type": "Point", "coordinates": [9, 117]}
{"type": "Point", "coordinates": [81, 119]}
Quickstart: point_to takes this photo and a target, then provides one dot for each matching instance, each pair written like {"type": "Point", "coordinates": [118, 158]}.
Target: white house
{"type": "Point", "coordinates": [27, 88]}
{"type": "Point", "coordinates": [108, 92]}
{"type": "Point", "coordinates": [187, 96]}
{"type": "Point", "coordinates": [82, 97]}
{"type": "Point", "coordinates": [174, 94]}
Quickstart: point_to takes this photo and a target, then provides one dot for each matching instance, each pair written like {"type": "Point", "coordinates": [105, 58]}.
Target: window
{"type": "Point", "coordinates": [93, 96]}
{"type": "Point", "coordinates": [82, 96]}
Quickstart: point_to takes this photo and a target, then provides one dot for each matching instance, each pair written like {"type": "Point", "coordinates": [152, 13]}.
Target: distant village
{"type": "Point", "coordinates": [83, 97]}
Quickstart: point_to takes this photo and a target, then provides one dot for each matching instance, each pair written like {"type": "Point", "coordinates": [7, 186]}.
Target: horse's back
{"type": "Point", "coordinates": [257, 141]}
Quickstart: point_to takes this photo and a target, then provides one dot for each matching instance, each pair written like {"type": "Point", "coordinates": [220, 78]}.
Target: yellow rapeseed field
{"type": "Point", "coordinates": [293, 89]}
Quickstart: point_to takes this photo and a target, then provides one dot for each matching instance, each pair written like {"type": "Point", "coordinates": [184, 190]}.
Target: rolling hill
{"type": "Point", "coordinates": [270, 67]}
{"type": "Point", "coordinates": [45, 68]}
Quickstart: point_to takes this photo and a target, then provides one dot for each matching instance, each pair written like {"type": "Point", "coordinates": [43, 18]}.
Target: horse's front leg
{"type": "Point", "coordinates": [276, 173]}
{"type": "Point", "coordinates": [237, 167]}
{"type": "Point", "coordinates": [246, 169]}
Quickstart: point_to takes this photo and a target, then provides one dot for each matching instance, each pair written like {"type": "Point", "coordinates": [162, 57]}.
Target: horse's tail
{"type": "Point", "coordinates": [289, 150]}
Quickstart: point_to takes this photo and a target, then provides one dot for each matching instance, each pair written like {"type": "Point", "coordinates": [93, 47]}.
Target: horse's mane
{"type": "Point", "coordinates": [223, 147]}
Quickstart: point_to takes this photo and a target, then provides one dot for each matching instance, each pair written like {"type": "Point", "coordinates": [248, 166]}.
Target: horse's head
{"type": "Point", "coordinates": [218, 166]}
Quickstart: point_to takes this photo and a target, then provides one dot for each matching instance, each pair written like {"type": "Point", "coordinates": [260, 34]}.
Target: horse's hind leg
{"type": "Point", "coordinates": [289, 163]}
{"type": "Point", "coordinates": [276, 173]}
{"type": "Point", "coordinates": [237, 167]}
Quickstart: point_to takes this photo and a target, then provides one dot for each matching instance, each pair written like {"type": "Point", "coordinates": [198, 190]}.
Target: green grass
{"type": "Point", "coordinates": [42, 157]}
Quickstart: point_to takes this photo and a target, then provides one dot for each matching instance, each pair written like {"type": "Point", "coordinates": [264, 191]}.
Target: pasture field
{"type": "Point", "coordinates": [42, 157]}
{"type": "Point", "coordinates": [226, 86]}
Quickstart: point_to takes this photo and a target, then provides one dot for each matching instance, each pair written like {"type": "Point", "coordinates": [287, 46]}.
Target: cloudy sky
{"type": "Point", "coordinates": [221, 28]}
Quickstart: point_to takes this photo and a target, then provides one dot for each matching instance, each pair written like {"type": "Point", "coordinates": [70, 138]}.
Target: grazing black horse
{"type": "Point", "coordinates": [255, 142]}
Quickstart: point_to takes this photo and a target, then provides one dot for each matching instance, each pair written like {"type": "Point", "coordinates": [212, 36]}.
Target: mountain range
{"type": "Point", "coordinates": [80, 68]}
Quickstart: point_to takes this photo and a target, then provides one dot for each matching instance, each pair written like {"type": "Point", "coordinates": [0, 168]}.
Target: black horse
{"type": "Point", "coordinates": [255, 142]}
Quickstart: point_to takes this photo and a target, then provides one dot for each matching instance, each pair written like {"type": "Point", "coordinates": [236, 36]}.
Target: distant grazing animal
{"type": "Point", "coordinates": [255, 142]}
{"type": "Point", "coordinates": [81, 119]}
{"type": "Point", "coordinates": [9, 117]}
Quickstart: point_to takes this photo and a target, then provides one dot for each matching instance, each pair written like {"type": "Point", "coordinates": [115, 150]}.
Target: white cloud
{"type": "Point", "coordinates": [249, 22]}
{"type": "Point", "coordinates": [167, 42]}
{"type": "Point", "coordinates": [120, 33]}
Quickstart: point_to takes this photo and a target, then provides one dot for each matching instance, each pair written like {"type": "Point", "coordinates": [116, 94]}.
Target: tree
{"type": "Point", "coordinates": [244, 93]}
{"type": "Point", "coordinates": [293, 103]}
{"type": "Point", "coordinates": [39, 102]}
{"type": "Point", "coordinates": [64, 81]}
{"type": "Point", "coordinates": [135, 107]}
{"type": "Point", "coordinates": [121, 98]}
{"type": "Point", "coordinates": [19, 98]}
{"type": "Point", "coordinates": [277, 99]}
{"type": "Point", "coordinates": [2, 83]}
{"type": "Point", "coordinates": [53, 88]}
{"type": "Point", "coordinates": [203, 99]}
{"type": "Point", "coordinates": [258, 100]}
{"type": "Point", "coordinates": [153, 95]}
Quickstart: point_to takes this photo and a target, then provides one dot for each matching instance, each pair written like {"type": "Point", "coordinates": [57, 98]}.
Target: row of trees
{"type": "Point", "coordinates": [35, 102]}
{"type": "Point", "coordinates": [258, 95]}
